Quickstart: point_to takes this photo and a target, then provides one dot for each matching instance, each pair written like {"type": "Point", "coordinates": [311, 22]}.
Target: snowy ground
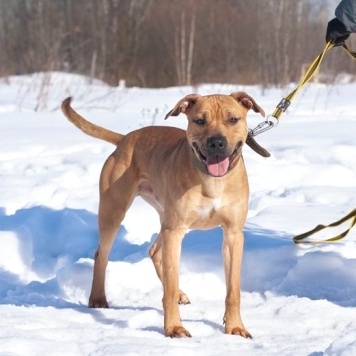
{"type": "Point", "coordinates": [296, 300]}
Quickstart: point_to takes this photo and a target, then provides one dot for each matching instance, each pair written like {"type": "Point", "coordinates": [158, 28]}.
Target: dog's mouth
{"type": "Point", "coordinates": [218, 165]}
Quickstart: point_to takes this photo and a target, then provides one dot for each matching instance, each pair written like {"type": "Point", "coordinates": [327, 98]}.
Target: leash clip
{"type": "Point", "coordinates": [264, 126]}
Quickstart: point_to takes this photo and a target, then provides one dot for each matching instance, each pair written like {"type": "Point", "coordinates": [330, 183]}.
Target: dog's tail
{"type": "Point", "coordinates": [88, 127]}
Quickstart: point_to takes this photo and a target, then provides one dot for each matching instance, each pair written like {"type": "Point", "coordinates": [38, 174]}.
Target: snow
{"type": "Point", "coordinates": [296, 300]}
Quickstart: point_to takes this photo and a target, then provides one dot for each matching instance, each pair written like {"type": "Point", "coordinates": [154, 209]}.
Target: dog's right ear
{"type": "Point", "coordinates": [183, 105]}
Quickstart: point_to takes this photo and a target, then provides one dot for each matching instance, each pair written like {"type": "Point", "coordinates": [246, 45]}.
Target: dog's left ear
{"type": "Point", "coordinates": [183, 105]}
{"type": "Point", "coordinates": [246, 101]}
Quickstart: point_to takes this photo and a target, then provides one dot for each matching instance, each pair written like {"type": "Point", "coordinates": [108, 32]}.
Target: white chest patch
{"type": "Point", "coordinates": [211, 206]}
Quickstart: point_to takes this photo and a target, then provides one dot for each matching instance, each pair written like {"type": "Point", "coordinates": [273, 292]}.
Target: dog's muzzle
{"type": "Point", "coordinates": [216, 158]}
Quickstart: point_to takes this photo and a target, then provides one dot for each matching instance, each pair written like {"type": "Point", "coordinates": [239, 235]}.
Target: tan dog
{"type": "Point", "coordinates": [195, 179]}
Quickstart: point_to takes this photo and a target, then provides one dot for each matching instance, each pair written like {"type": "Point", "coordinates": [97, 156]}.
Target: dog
{"type": "Point", "coordinates": [195, 179]}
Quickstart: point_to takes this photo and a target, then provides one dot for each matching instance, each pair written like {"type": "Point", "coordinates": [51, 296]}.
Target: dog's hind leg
{"type": "Point", "coordinates": [155, 253]}
{"type": "Point", "coordinates": [115, 199]}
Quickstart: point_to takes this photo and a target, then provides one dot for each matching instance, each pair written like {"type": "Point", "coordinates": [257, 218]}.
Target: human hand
{"type": "Point", "coordinates": [336, 32]}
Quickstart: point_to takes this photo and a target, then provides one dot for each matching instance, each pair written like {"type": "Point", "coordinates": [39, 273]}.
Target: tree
{"type": "Point", "coordinates": [161, 43]}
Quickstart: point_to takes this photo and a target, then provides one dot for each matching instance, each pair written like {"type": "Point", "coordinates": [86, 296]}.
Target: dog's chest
{"type": "Point", "coordinates": [206, 214]}
{"type": "Point", "coordinates": [209, 207]}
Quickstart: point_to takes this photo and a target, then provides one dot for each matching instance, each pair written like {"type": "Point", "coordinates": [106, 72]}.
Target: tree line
{"type": "Point", "coordinates": [159, 43]}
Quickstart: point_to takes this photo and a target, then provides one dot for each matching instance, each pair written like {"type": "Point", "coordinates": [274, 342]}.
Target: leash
{"type": "Point", "coordinates": [283, 105]}
{"type": "Point", "coordinates": [272, 120]}
{"type": "Point", "coordinates": [350, 216]}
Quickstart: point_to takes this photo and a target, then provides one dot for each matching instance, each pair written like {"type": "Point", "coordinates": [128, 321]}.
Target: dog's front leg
{"type": "Point", "coordinates": [232, 255]}
{"type": "Point", "coordinates": [155, 253]}
{"type": "Point", "coordinates": [171, 249]}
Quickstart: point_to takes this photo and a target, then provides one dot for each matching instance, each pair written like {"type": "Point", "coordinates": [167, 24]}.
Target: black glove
{"type": "Point", "coordinates": [336, 32]}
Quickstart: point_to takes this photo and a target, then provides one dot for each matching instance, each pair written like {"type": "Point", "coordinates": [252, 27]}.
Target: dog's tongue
{"type": "Point", "coordinates": [217, 166]}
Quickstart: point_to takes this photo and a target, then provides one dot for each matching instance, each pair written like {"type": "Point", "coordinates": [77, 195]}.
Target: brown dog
{"type": "Point", "coordinates": [195, 179]}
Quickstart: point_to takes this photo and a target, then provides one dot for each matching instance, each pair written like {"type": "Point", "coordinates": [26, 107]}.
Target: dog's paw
{"type": "Point", "coordinates": [98, 303]}
{"type": "Point", "coordinates": [183, 299]}
{"type": "Point", "coordinates": [177, 332]}
{"type": "Point", "coordinates": [238, 331]}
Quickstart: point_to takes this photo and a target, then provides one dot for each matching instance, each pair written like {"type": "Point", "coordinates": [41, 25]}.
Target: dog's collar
{"type": "Point", "coordinates": [250, 141]}
{"type": "Point", "coordinates": [197, 162]}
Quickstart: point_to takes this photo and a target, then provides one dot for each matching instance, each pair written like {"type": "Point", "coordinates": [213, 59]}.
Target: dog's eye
{"type": "Point", "coordinates": [200, 122]}
{"type": "Point", "coordinates": [233, 120]}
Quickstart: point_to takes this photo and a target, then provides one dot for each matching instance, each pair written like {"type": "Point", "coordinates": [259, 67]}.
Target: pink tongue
{"type": "Point", "coordinates": [216, 167]}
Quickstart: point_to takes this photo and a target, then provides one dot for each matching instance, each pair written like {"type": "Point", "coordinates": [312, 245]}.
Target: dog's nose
{"type": "Point", "coordinates": [217, 144]}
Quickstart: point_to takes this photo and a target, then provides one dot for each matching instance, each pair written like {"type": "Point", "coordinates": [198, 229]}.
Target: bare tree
{"type": "Point", "coordinates": [161, 43]}
{"type": "Point", "coordinates": [184, 46]}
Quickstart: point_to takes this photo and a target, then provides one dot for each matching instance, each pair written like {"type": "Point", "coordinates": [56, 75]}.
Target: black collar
{"type": "Point", "coordinates": [197, 162]}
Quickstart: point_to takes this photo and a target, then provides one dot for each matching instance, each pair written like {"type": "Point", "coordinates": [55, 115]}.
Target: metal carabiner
{"type": "Point", "coordinates": [264, 126]}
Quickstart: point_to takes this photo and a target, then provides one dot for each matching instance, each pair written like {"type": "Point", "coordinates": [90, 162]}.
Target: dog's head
{"type": "Point", "coordinates": [217, 128]}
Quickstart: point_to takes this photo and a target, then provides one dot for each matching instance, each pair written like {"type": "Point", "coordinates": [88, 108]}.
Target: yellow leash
{"type": "Point", "coordinates": [277, 113]}
{"type": "Point", "coordinates": [351, 216]}
{"type": "Point", "coordinates": [285, 102]}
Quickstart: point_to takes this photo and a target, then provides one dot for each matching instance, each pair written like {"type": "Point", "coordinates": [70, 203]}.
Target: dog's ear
{"type": "Point", "coordinates": [246, 101]}
{"type": "Point", "coordinates": [183, 105]}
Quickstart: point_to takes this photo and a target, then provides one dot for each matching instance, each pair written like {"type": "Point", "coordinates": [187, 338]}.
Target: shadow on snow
{"type": "Point", "coordinates": [48, 240]}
